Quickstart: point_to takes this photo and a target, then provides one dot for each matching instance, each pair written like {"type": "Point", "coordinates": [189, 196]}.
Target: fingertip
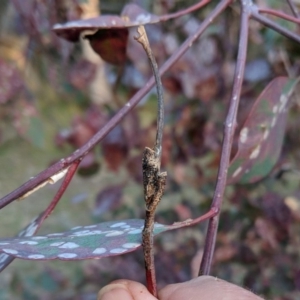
{"type": "Point", "coordinates": [125, 290]}
{"type": "Point", "coordinates": [208, 287]}
{"type": "Point", "coordinates": [115, 290]}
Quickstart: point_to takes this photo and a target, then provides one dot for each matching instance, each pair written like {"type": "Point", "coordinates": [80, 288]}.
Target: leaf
{"type": "Point", "coordinates": [110, 44]}
{"type": "Point", "coordinates": [132, 15]}
{"type": "Point", "coordinates": [28, 231]}
{"type": "Point", "coordinates": [82, 242]}
{"type": "Point", "coordinates": [261, 136]}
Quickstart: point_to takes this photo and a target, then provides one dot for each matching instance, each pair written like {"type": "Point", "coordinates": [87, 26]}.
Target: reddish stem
{"type": "Point", "coordinates": [66, 181]}
{"type": "Point", "coordinates": [229, 129]}
{"type": "Point", "coordinates": [151, 281]}
{"type": "Point", "coordinates": [190, 222]}
{"type": "Point", "coordinates": [81, 152]}
{"type": "Point", "coordinates": [184, 11]}
{"type": "Point", "coordinates": [279, 14]}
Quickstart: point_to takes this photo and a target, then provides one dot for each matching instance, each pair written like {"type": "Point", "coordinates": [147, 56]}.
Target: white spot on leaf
{"type": "Point", "coordinates": [69, 245]}
{"type": "Point", "coordinates": [10, 251]}
{"type": "Point", "coordinates": [90, 226]}
{"type": "Point", "coordinates": [115, 233]}
{"type": "Point", "coordinates": [77, 227]}
{"type": "Point", "coordinates": [244, 135]}
{"type": "Point", "coordinates": [254, 154]}
{"type": "Point", "coordinates": [67, 255]}
{"type": "Point", "coordinates": [143, 18]}
{"type": "Point", "coordinates": [275, 109]}
{"type": "Point", "coordinates": [55, 234]}
{"type": "Point", "coordinates": [28, 242]}
{"type": "Point", "coordinates": [266, 134]}
{"type": "Point", "coordinates": [237, 172]}
{"type": "Point", "coordinates": [118, 224]}
{"type": "Point", "coordinates": [135, 231]}
{"type": "Point", "coordinates": [99, 251]}
{"type": "Point", "coordinates": [56, 244]}
{"type": "Point", "coordinates": [130, 245]}
{"type": "Point", "coordinates": [273, 121]}
{"type": "Point", "coordinates": [36, 256]}
{"type": "Point", "coordinates": [117, 250]}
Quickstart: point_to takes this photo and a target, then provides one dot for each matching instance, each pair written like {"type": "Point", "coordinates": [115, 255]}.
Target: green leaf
{"type": "Point", "coordinates": [82, 242]}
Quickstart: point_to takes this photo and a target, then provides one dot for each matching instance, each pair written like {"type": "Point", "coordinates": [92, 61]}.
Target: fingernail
{"type": "Point", "coordinates": [114, 291]}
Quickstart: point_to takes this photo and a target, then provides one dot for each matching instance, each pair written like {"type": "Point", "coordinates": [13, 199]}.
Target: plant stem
{"type": "Point", "coordinates": [154, 181]}
{"type": "Point", "coordinates": [229, 129]}
{"type": "Point", "coordinates": [116, 119]}
{"type": "Point", "coordinates": [293, 8]}
{"type": "Point", "coordinates": [143, 40]}
{"type": "Point", "coordinates": [269, 23]}
{"type": "Point", "coordinates": [184, 11]}
{"type": "Point", "coordinates": [154, 186]}
{"type": "Point", "coordinates": [279, 14]}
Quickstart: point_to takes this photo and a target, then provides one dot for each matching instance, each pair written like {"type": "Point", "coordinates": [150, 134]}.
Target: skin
{"type": "Point", "coordinates": [204, 288]}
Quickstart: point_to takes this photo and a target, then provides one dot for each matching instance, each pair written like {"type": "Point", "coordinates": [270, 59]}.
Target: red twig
{"type": "Point", "coordinates": [279, 14]}
{"type": "Point", "coordinates": [78, 154]}
{"type": "Point", "coordinates": [229, 129]}
{"type": "Point", "coordinates": [66, 181]}
{"type": "Point", "coordinates": [184, 11]}
{"type": "Point", "coordinates": [211, 213]}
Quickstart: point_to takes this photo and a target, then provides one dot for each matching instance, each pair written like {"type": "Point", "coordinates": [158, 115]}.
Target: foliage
{"type": "Point", "coordinates": [256, 244]}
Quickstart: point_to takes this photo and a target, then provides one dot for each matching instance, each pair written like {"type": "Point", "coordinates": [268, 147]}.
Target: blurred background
{"type": "Point", "coordinates": [54, 96]}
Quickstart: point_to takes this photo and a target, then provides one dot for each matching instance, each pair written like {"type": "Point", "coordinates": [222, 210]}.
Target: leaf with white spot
{"type": "Point", "coordinates": [81, 242]}
{"type": "Point", "coordinates": [28, 231]}
{"type": "Point", "coordinates": [261, 137]}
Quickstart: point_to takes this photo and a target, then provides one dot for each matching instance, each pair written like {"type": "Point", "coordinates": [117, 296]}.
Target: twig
{"type": "Point", "coordinates": [279, 14]}
{"type": "Point", "coordinates": [184, 11]}
{"type": "Point", "coordinates": [143, 40]}
{"type": "Point", "coordinates": [229, 128]}
{"type": "Point", "coordinates": [154, 182]}
{"type": "Point", "coordinates": [269, 23]}
{"type": "Point", "coordinates": [81, 152]}
{"type": "Point", "coordinates": [293, 8]}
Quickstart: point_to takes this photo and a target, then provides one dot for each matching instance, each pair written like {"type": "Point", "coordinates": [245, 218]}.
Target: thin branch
{"type": "Point", "coordinates": [184, 11]}
{"type": "Point", "coordinates": [279, 14]}
{"type": "Point", "coordinates": [70, 174]}
{"type": "Point", "coordinates": [190, 222]}
{"type": "Point", "coordinates": [81, 152]}
{"type": "Point", "coordinates": [269, 23]}
{"type": "Point", "coordinates": [143, 40]}
{"type": "Point", "coordinates": [293, 8]}
{"type": "Point", "coordinates": [229, 129]}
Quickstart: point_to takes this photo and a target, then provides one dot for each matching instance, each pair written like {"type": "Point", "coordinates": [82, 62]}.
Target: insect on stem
{"type": "Point", "coordinates": [154, 182]}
